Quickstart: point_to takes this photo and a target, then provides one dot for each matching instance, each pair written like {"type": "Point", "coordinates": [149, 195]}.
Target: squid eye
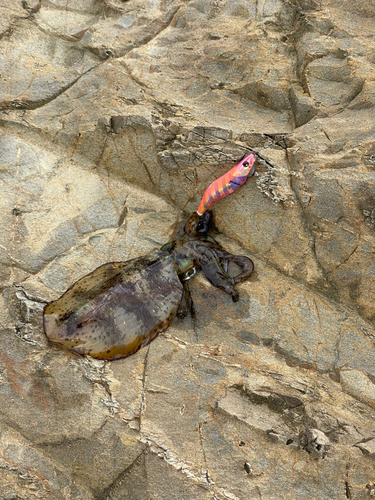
{"type": "Point", "coordinates": [190, 273]}
{"type": "Point", "coordinates": [246, 164]}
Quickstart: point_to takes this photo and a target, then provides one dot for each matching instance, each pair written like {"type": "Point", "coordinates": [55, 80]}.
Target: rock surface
{"type": "Point", "coordinates": [115, 116]}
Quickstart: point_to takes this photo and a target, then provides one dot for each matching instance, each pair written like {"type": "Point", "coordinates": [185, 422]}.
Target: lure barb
{"type": "Point", "coordinates": [229, 182]}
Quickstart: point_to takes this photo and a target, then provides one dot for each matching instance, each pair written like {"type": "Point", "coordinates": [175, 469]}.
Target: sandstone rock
{"type": "Point", "coordinates": [360, 383]}
{"type": "Point", "coordinates": [368, 447]}
{"type": "Point", "coordinates": [316, 443]}
{"type": "Point", "coordinates": [29, 87]}
{"type": "Point", "coordinates": [10, 13]}
{"type": "Point", "coordinates": [115, 118]}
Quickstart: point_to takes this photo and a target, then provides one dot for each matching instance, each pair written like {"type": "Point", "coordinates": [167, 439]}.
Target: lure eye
{"type": "Point", "coordinates": [246, 164]}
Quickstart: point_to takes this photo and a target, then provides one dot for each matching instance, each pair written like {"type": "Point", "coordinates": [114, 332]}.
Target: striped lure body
{"type": "Point", "coordinates": [228, 183]}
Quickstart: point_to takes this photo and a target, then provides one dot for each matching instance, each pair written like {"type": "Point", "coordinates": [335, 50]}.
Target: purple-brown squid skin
{"type": "Point", "coordinates": [115, 310]}
{"type": "Point", "coordinates": [122, 306]}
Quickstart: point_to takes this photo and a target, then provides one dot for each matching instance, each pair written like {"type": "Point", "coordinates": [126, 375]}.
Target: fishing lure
{"type": "Point", "coordinates": [228, 183]}
{"type": "Point", "coordinates": [122, 306]}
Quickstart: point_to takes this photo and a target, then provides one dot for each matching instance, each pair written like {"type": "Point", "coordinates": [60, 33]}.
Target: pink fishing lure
{"type": "Point", "coordinates": [228, 183]}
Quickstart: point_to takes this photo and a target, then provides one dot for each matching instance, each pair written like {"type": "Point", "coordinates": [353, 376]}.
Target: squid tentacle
{"type": "Point", "coordinates": [243, 262]}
